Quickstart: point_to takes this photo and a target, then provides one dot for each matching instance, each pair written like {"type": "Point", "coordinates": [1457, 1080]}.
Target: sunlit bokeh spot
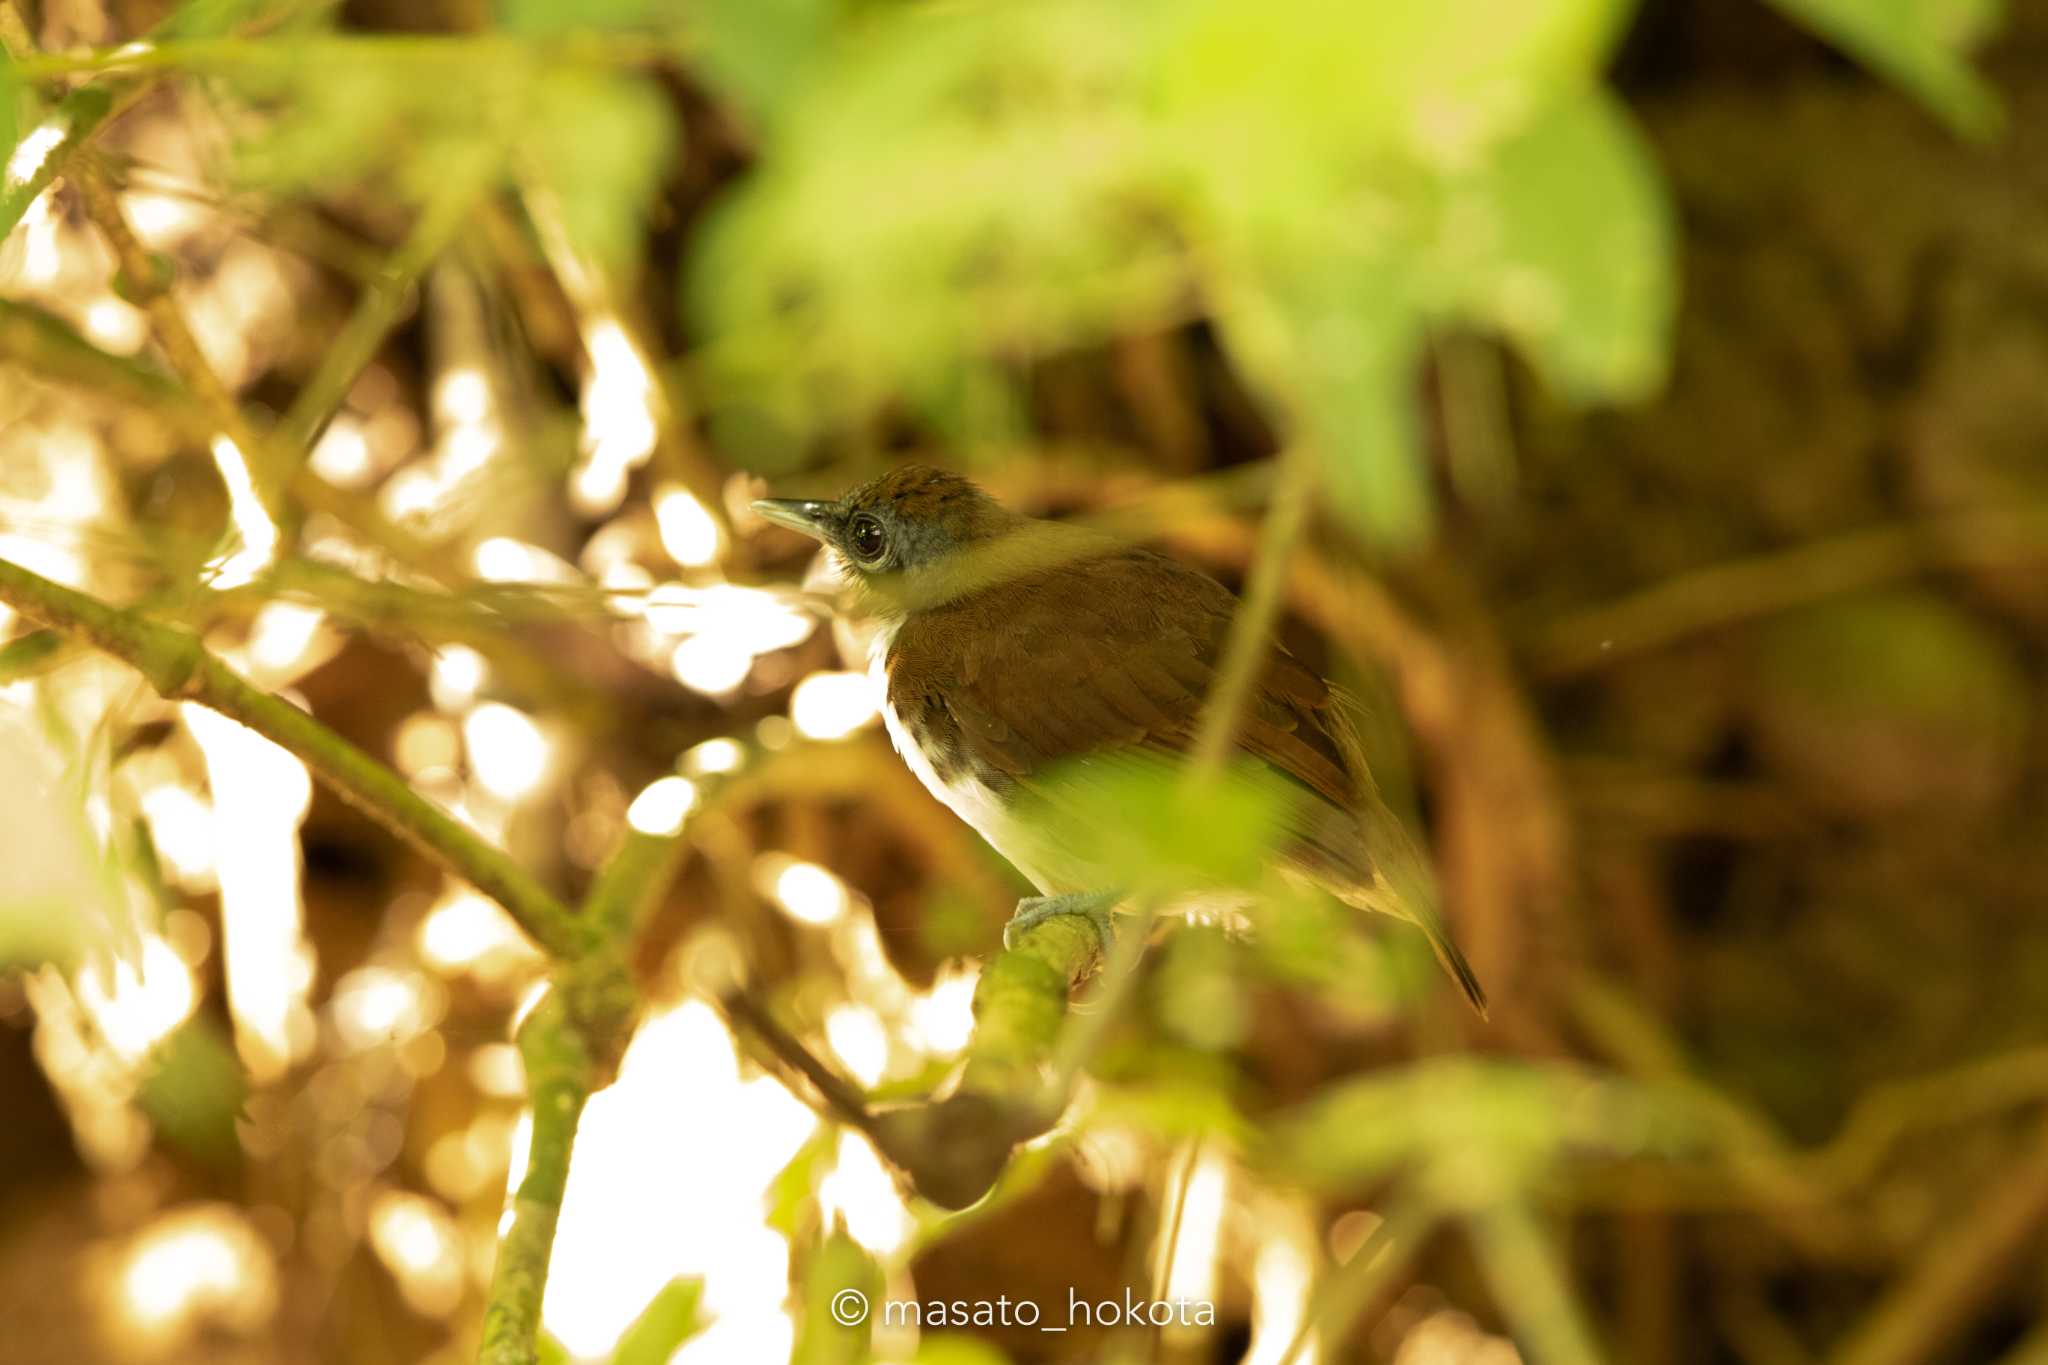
{"type": "Point", "coordinates": [507, 751]}
{"type": "Point", "coordinates": [805, 891]}
{"type": "Point", "coordinates": [376, 1005]}
{"type": "Point", "coordinates": [660, 808]}
{"type": "Point", "coordinates": [457, 675]}
{"type": "Point", "coordinates": [861, 1190]}
{"type": "Point", "coordinates": [198, 1266]}
{"type": "Point", "coordinates": [858, 1040]}
{"type": "Point", "coordinates": [255, 530]}
{"type": "Point", "coordinates": [942, 1019]}
{"type": "Point", "coordinates": [834, 705]}
{"type": "Point", "coordinates": [657, 1189]}
{"type": "Point", "coordinates": [502, 559]}
{"type": "Point", "coordinates": [422, 1246]}
{"type": "Point", "coordinates": [260, 793]}
{"type": "Point", "coordinates": [619, 425]}
{"type": "Point", "coordinates": [136, 1004]}
{"type": "Point", "coordinates": [710, 665]}
{"type": "Point", "coordinates": [688, 531]}
{"type": "Point", "coordinates": [464, 931]}
{"type": "Point", "coordinates": [1194, 1253]}
{"type": "Point", "coordinates": [715, 756]}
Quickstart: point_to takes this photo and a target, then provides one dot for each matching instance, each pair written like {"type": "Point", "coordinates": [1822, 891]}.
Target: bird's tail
{"type": "Point", "coordinates": [1394, 879]}
{"type": "Point", "coordinates": [1420, 912]}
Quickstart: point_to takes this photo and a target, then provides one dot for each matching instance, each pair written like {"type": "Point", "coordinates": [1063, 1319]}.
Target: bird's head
{"type": "Point", "coordinates": [914, 537]}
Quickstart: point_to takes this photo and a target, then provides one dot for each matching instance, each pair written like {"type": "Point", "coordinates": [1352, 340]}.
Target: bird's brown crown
{"type": "Point", "coordinates": [938, 501]}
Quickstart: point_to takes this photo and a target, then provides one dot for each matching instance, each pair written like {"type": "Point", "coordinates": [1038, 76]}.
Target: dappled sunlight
{"type": "Point", "coordinates": [196, 1268]}
{"type": "Point", "coordinates": [655, 1191]}
{"type": "Point", "coordinates": [260, 793]}
{"type": "Point", "coordinates": [1361, 502]}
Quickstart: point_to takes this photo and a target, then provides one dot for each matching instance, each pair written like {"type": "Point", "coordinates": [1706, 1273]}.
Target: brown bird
{"type": "Point", "coordinates": [1010, 647]}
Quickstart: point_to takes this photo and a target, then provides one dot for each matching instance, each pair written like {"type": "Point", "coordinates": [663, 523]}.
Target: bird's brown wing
{"type": "Point", "coordinates": [1121, 652]}
{"type": "Point", "coordinates": [1117, 651]}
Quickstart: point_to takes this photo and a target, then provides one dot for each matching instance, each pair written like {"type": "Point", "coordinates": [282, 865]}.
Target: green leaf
{"type": "Point", "coordinates": [193, 1093]}
{"type": "Point", "coordinates": [952, 187]}
{"type": "Point", "coordinates": [756, 51]}
{"type": "Point", "coordinates": [671, 1318]}
{"type": "Point", "coordinates": [1564, 241]}
{"type": "Point", "coordinates": [210, 18]}
{"type": "Point", "coordinates": [956, 1348]}
{"type": "Point", "coordinates": [793, 1192]}
{"type": "Point", "coordinates": [603, 143]}
{"type": "Point", "coordinates": [1918, 43]}
{"type": "Point", "coordinates": [1132, 815]}
{"type": "Point", "coordinates": [1475, 1132]}
{"type": "Point", "coordinates": [841, 1296]}
{"type": "Point", "coordinates": [1436, 83]}
{"type": "Point", "coordinates": [559, 16]}
{"type": "Point", "coordinates": [1199, 994]}
{"type": "Point", "coordinates": [10, 105]}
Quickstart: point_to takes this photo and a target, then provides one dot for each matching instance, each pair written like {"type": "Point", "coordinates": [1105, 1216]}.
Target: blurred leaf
{"type": "Point", "coordinates": [1326, 181]}
{"type": "Point", "coordinates": [757, 51]}
{"type": "Point", "coordinates": [950, 1348]}
{"type": "Point", "coordinates": [193, 1092]}
{"type": "Point", "coordinates": [1198, 996]}
{"type": "Point", "coordinates": [27, 654]}
{"type": "Point", "coordinates": [670, 1318]}
{"type": "Point", "coordinates": [1894, 698]}
{"type": "Point", "coordinates": [1189, 1107]}
{"type": "Point", "coordinates": [210, 18]}
{"type": "Point", "coordinates": [61, 900]}
{"type": "Point", "coordinates": [1315, 941]}
{"type": "Point", "coordinates": [559, 16]}
{"type": "Point", "coordinates": [1564, 242]}
{"type": "Point", "coordinates": [836, 1267]}
{"type": "Point", "coordinates": [603, 144]}
{"type": "Point", "coordinates": [1475, 1132]}
{"type": "Point", "coordinates": [953, 184]}
{"type": "Point", "coordinates": [1921, 44]}
{"type": "Point", "coordinates": [1130, 814]}
{"type": "Point", "coordinates": [57, 351]}
{"type": "Point", "coordinates": [791, 1196]}
{"type": "Point", "coordinates": [10, 106]}
{"type": "Point", "coordinates": [549, 1350]}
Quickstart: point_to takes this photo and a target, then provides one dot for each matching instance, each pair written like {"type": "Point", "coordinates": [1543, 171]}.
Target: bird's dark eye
{"type": "Point", "coordinates": [865, 538]}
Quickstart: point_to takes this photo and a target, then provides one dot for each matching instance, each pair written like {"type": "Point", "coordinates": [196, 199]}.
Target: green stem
{"type": "Point", "coordinates": [1251, 630]}
{"type": "Point", "coordinates": [381, 307]}
{"type": "Point", "coordinates": [294, 51]}
{"type": "Point", "coordinates": [178, 667]}
{"type": "Point", "coordinates": [1531, 1286]}
{"type": "Point", "coordinates": [558, 1076]}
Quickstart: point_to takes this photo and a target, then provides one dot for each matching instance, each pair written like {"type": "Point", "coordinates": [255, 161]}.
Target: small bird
{"type": "Point", "coordinates": [1010, 646]}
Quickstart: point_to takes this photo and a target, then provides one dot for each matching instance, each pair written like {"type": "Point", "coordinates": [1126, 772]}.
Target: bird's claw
{"type": "Point", "coordinates": [1094, 906]}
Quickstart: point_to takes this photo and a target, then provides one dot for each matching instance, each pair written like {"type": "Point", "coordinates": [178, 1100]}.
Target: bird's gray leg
{"type": "Point", "coordinates": [1093, 906]}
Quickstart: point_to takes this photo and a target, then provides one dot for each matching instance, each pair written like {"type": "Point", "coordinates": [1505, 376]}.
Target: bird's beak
{"type": "Point", "coordinates": [813, 519]}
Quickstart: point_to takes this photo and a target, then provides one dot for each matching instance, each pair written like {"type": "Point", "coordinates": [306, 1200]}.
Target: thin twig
{"type": "Point", "coordinates": [179, 667]}
{"type": "Point", "coordinates": [148, 288]}
{"type": "Point", "coordinates": [1763, 585]}
{"type": "Point", "coordinates": [1925, 1309]}
{"type": "Point", "coordinates": [1252, 629]}
{"type": "Point", "coordinates": [382, 304]}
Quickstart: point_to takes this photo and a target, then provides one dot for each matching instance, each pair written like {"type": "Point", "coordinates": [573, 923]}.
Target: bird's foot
{"type": "Point", "coordinates": [1093, 906]}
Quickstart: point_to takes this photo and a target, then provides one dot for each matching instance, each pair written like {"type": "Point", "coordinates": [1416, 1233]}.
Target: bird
{"type": "Point", "coordinates": [1010, 648]}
